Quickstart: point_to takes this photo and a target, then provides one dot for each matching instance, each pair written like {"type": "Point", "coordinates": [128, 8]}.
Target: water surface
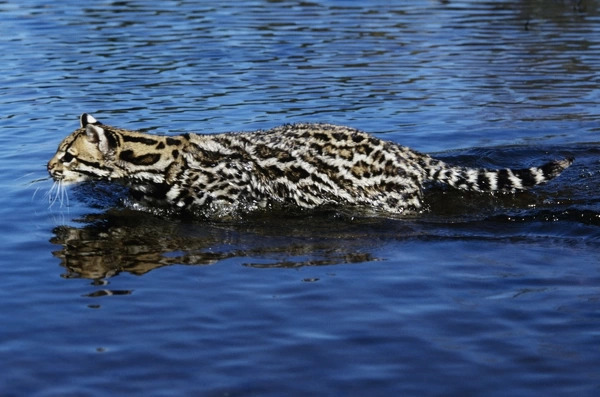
{"type": "Point", "coordinates": [98, 298]}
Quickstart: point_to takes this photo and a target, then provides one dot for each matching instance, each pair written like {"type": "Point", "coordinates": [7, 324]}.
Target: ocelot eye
{"type": "Point", "coordinates": [67, 157]}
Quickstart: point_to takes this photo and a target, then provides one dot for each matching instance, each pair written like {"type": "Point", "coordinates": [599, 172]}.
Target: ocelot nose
{"type": "Point", "coordinates": [50, 166]}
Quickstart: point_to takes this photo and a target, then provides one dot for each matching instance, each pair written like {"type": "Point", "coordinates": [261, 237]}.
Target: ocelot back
{"type": "Point", "coordinates": [298, 165]}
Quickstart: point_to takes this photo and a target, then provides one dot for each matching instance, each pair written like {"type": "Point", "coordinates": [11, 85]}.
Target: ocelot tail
{"type": "Point", "coordinates": [298, 166]}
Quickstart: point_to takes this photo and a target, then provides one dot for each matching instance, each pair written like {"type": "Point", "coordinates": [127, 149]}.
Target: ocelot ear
{"type": "Point", "coordinates": [86, 119]}
{"type": "Point", "coordinates": [102, 138]}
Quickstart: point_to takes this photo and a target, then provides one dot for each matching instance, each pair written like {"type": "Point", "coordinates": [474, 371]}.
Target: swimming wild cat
{"type": "Point", "coordinates": [295, 165]}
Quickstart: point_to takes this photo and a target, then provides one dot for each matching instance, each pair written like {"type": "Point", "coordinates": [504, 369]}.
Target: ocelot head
{"type": "Point", "coordinates": [87, 153]}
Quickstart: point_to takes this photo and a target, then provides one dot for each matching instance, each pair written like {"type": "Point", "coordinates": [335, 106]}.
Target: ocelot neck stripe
{"type": "Point", "coordinates": [141, 160]}
{"type": "Point", "coordinates": [139, 139]}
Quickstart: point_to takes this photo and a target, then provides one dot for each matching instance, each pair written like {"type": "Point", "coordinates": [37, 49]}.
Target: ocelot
{"type": "Point", "coordinates": [297, 166]}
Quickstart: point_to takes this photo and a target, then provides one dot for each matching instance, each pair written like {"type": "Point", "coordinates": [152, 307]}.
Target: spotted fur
{"type": "Point", "coordinates": [298, 165]}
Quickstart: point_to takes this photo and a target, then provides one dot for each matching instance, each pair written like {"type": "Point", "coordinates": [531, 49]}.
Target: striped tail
{"type": "Point", "coordinates": [503, 180]}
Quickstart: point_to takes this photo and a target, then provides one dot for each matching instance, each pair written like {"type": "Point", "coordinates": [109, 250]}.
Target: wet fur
{"type": "Point", "coordinates": [297, 165]}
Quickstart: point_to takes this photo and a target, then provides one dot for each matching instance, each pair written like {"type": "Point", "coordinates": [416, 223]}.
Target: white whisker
{"type": "Point", "coordinates": [54, 193]}
{"type": "Point", "coordinates": [49, 192]}
{"type": "Point", "coordinates": [24, 175]}
{"type": "Point", "coordinates": [64, 196]}
{"type": "Point", "coordinates": [35, 192]}
{"type": "Point", "coordinates": [57, 193]}
{"type": "Point", "coordinates": [52, 190]}
{"type": "Point", "coordinates": [52, 201]}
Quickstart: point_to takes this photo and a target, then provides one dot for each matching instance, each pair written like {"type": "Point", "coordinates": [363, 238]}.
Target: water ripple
{"type": "Point", "coordinates": [503, 287]}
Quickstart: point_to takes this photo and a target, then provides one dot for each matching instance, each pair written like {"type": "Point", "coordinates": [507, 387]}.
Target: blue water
{"type": "Point", "coordinates": [481, 295]}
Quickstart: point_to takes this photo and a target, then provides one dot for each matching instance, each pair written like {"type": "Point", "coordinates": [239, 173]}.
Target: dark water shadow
{"type": "Point", "coordinates": [120, 239]}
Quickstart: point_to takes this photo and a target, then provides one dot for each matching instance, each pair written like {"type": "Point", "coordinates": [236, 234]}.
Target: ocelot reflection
{"type": "Point", "coordinates": [124, 240]}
